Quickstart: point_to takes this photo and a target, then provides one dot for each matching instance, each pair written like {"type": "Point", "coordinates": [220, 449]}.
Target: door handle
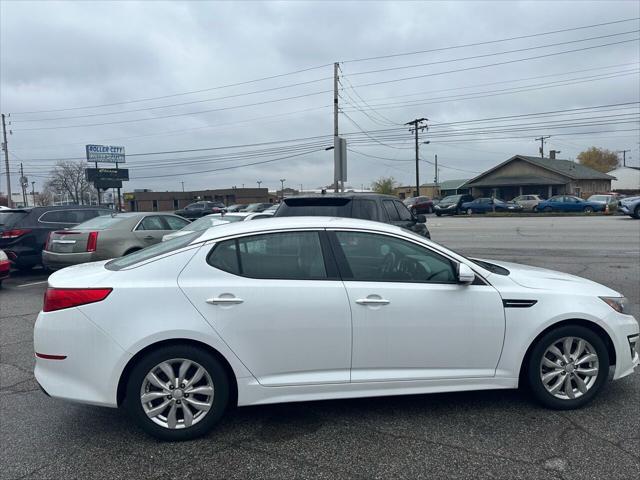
{"type": "Point", "coordinates": [148, 237]}
{"type": "Point", "coordinates": [224, 300]}
{"type": "Point", "coordinates": [372, 301]}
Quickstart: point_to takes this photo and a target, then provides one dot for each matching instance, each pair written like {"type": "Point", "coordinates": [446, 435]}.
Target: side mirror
{"type": "Point", "coordinates": [421, 219]}
{"type": "Point", "coordinates": [465, 274]}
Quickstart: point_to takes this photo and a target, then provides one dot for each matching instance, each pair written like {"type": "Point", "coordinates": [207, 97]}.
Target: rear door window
{"type": "Point", "coordinates": [278, 256]}
{"type": "Point", "coordinates": [175, 223]}
{"type": "Point", "coordinates": [152, 223]}
{"type": "Point", "coordinates": [69, 217]}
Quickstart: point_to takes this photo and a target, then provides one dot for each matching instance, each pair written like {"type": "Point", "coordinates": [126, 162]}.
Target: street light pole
{"type": "Point", "coordinates": [259, 182]}
{"type": "Point", "coordinates": [282, 180]}
{"type": "Point", "coordinates": [33, 193]}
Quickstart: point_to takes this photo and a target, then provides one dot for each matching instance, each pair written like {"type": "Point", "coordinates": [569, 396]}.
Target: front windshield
{"type": "Point", "coordinates": [450, 199]}
{"type": "Point", "coordinates": [152, 251]}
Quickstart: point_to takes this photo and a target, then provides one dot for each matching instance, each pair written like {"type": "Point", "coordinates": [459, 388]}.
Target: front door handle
{"type": "Point", "coordinates": [148, 237]}
{"type": "Point", "coordinates": [224, 300]}
{"type": "Point", "coordinates": [372, 301]}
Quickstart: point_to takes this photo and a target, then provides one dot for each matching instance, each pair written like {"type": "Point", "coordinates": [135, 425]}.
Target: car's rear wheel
{"type": "Point", "coordinates": [469, 211]}
{"type": "Point", "coordinates": [636, 212]}
{"type": "Point", "coordinates": [588, 209]}
{"type": "Point", "coordinates": [177, 392]}
{"type": "Point", "coordinates": [567, 367]}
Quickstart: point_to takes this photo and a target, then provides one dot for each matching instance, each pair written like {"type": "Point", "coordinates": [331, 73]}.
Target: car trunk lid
{"type": "Point", "coordinates": [84, 275]}
{"type": "Point", "coordinates": [68, 241]}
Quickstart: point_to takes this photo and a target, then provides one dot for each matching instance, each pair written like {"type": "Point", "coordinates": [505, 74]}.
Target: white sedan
{"type": "Point", "coordinates": [303, 308]}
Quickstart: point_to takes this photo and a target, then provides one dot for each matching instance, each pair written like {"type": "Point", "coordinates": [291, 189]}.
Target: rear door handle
{"type": "Point", "coordinates": [224, 300]}
{"type": "Point", "coordinates": [372, 301]}
{"type": "Point", "coordinates": [148, 237]}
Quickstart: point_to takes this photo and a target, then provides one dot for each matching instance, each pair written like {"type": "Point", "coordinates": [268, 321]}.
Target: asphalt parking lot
{"type": "Point", "coordinates": [497, 434]}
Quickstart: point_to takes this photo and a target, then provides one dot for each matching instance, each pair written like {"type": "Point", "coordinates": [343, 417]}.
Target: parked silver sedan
{"type": "Point", "coordinates": [107, 237]}
{"type": "Point", "coordinates": [528, 202]}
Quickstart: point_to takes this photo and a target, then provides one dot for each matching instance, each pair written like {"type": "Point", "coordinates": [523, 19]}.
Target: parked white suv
{"type": "Point", "coordinates": [528, 202]}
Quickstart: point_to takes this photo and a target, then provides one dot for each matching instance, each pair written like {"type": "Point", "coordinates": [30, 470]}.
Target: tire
{"type": "Point", "coordinates": [469, 211]}
{"type": "Point", "coordinates": [561, 400]}
{"type": "Point", "coordinates": [203, 418]}
{"type": "Point", "coordinates": [636, 212]}
{"type": "Point", "coordinates": [438, 214]}
{"type": "Point", "coordinates": [588, 209]}
{"type": "Point", "coordinates": [547, 209]}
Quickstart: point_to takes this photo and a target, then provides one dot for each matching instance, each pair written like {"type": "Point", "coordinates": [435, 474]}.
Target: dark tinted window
{"type": "Point", "coordinates": [315, 207]}
{"type": "Point", "coordinates": [390, 208]}
{"type": "Point", "coordinates": [286, 256]}
{"type": "Point", "coordinates": [365, 209]}
{"type": "Point", "coordinates": [71, 217]}
{"type": "Point", "coordinates": [403, 211]}
{"type": "Point", "coordinates": [380, 258]}
{"type": "Point", "coordinates": [9, 219]}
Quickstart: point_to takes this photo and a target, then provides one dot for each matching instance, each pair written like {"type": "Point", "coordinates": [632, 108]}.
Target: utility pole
{"type": "Point", "coordinates": [417, 124]}
{"type": "Point", "coordinates": [23, 185]}
{"type": "Point", "coordinates": [336, 153]}
{"type": "Point", "coordinates": [624, 156]}
{"type": "Point", "coordinates": [542, 139]}
{"type": "Point", "coordinates": [5, 147]}
{"type": "Point", "coordinates": [282, 180]}
{"type": "Point", "coordinates": [33, 193]}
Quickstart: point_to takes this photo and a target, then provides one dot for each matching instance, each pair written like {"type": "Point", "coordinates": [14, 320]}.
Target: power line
{"type": "Point", "coordinates": [487, 42]}
{"type": "Point", "coordinates": [506, 62]}
{"type": "Point", "coordinates": [484, 55]}
{"type": "Point", "coordinates": [177, 94]}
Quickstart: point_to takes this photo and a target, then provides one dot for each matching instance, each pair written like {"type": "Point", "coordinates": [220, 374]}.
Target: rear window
{"type": "Point", "coordinates": [315, 207]}
{"type": "Point", "coordinates": [152, 251]}
{"type": "Point", "coordinates": [9, 219]}
{"type": "Point", "coordinates": [101, 223]}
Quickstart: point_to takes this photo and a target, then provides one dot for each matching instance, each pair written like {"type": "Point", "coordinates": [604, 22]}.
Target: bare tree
{"type": "Point", "coordinates": [45, 197]}
{"type": "Point", "coordinates": [68, 178]}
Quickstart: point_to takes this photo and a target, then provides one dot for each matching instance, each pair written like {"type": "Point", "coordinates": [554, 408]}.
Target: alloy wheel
{"type": "Point", "coordinates": [569, 368]}
{"type": "Point", "coordinates": [177, 393]}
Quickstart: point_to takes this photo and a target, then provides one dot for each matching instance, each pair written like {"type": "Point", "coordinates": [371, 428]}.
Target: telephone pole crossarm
{"type": "Point", "coordinates": [419, 124]}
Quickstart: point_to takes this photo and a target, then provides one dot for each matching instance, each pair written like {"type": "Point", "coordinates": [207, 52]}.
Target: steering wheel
{"type": "Point", "coordinates": [413, 269]}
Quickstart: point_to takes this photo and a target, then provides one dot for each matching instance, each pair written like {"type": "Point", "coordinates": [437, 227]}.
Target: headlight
{"type": "Point", "coordinates": [619, 304]}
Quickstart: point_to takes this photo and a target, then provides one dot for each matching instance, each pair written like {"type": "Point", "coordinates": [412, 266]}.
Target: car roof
{"type": "Point", "coordinates": [283, 223]}
{"type": "Point", "coordinates": [349, 195]}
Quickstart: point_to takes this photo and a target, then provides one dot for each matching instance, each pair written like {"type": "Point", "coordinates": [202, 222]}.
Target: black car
{"type": "Point", "coordinates": [200, 209]}
{"type": "Point", "coordinates": [24, 231]}
{"type": "Point", "coordinates": [452, 205]}
{"type": "Point", "coordinates": [380, 208]}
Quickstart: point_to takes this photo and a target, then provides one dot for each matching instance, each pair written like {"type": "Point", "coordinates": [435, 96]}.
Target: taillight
{"type": "Point", "coordinates": [15, 233]}
{"type": "Point", "coordinates": [59, 298]}
{"type": "Point", "coordinates": [92, 241]}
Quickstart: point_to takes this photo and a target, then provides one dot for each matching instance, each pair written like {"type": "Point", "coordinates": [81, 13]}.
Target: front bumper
{"type": "Point", "coordinates": [93, 361]}
{"type": "Point", "coordinates": [627, 358]}
{"type": "Point", "coordinates": [450, 210]}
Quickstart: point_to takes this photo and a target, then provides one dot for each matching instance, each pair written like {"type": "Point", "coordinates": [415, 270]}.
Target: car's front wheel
{"type": "Point", "coordinates": [177, 392]}
{"type": "Point", "coordinates": [588, 209]}
{"type": "Point", "coordinates": [567, 367]}
{"type": "Point", "coordinates": [636, 212]}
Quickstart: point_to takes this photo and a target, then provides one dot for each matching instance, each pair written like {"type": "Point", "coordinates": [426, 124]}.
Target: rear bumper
{"type": "Point", "coordinates": [90, 371]}
{"type": "Point", "coordinates": [56, 261]}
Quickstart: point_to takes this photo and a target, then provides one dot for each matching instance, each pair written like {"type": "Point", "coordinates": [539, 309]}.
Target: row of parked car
{"type": "Point", "coordinates": [56, 237]}
{"type": "Point", "coordinates": [464, 203]}
{"type": "Point", "coordinates": [200, 209]}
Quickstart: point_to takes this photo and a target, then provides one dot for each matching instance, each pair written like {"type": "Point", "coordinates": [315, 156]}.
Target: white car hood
{"type": "Point", "coordinates": [544, 279]}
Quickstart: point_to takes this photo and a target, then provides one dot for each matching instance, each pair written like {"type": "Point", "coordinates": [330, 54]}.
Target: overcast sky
{"type": "Point", "coordinates": [67, 55]}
